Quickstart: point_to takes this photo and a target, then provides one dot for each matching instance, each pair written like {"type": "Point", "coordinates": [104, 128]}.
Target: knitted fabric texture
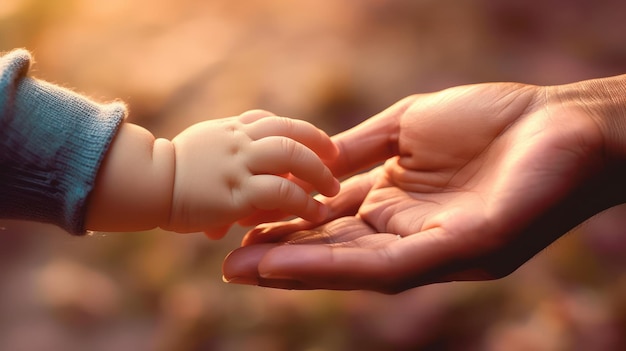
{"type": "Point", "coordinates": [52, 142]}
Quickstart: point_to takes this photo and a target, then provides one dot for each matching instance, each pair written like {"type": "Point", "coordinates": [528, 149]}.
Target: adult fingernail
{"type": "Point", "coordinates": [274, 276]}
{"type": "Point", "coordinates": [240, 280]}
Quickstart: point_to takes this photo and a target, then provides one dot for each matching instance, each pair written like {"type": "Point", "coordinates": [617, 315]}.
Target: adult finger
{"type": "Point", "coordinates": [279, 155]}
{"type": "Point", "coordinates": [301, 131]}
{"type": "Point", "coordinates": [242, 264]}
{"type": "Point", "coordinates": [370, 142]}
{"type": "Point", "coordinates": [394, 267]}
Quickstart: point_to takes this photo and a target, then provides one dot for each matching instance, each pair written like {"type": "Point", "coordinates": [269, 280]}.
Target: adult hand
{"type": "Point", "coordinates": [476, 180]}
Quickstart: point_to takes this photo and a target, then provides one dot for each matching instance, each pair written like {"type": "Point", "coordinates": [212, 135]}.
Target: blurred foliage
{"type": "Point", "coordinates": [335, 63]}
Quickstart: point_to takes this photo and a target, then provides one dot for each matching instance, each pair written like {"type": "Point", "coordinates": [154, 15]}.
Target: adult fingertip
{"type": "Point", "coordinates": [273, 232]}
{"type": "Point", "coordinates": [240, 265]}
{"type": "Point", "coordinates": [240, 280]}
{"type": "Point", "coordinates": [255, 235]}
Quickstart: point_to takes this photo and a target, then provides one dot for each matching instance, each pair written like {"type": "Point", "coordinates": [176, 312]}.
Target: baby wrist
{"type": "Point", "coordinates": [164, 166]}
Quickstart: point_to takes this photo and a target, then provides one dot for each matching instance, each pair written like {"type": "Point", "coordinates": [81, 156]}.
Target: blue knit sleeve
{"type": "Point", "coordinates": [52, 142]}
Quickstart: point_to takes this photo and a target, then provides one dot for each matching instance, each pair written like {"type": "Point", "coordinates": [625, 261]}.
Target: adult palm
{"type": "Point", "coordinates": [475, 181]}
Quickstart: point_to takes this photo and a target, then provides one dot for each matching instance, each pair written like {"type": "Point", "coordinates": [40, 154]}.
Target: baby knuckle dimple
{"type": "Point", "coordinates": [238, 141]}
{"type": "Point", "coordinates": [234, 149]}
{"type": "Point", "coordinates": [235, 183]}
{"type": "Point", "coordinates": [232, 181]}
{"type": "Point", "coordinates": [230, 127]}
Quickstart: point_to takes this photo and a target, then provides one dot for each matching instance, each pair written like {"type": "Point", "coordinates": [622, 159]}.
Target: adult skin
{"type": "Point", "coordinates": [471, 183]}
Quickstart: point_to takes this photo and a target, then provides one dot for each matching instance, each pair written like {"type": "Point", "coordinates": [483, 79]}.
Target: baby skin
{"type": "Point", "coordinates": [243, 169]}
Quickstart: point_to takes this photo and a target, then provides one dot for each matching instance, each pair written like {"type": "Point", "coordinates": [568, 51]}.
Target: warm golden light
{"type": "Point", "coordinates": [331, 62]}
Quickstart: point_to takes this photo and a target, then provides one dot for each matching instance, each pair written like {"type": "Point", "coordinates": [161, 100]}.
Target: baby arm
{"type": "Point", "coordinates": [133, 188]}
{"type": "Point", "coordinates": [211, 175]}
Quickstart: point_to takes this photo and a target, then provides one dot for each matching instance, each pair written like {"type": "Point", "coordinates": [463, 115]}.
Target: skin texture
{"type": "Point", "coordinates": [471, 183]}
{"type": "Point", "coordinates": [212, 175]}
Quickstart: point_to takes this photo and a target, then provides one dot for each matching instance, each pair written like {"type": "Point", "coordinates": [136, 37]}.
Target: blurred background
{"type": "Point", "coordinates": [334, 63]}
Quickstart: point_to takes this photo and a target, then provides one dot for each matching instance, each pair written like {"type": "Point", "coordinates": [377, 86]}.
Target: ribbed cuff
{"type": "Point", "coordinates": [54, 141]}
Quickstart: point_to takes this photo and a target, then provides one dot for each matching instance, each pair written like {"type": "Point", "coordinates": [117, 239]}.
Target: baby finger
{"type": "Point", "coordinates": [278, 155]}
{"type": "Point", "coordinates": [298, 130]}
{"type": "Point", "coordinates": [269, 192]}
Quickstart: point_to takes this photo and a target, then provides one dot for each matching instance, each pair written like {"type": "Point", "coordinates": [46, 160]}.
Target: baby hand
{"type": "Point", "coordinates": [228, 169]}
